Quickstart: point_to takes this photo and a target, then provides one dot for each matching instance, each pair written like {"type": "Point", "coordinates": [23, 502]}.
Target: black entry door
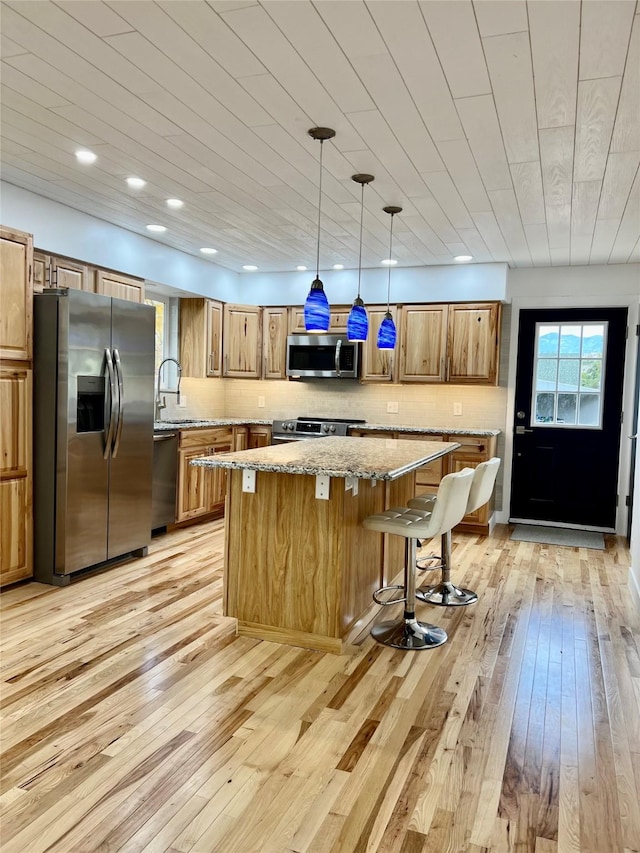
{"type": "Point", "coordinates": [568, 402]}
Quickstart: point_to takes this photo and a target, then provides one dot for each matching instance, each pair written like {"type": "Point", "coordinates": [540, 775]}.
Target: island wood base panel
{"type": "Point", "coordinates": [300, 570]}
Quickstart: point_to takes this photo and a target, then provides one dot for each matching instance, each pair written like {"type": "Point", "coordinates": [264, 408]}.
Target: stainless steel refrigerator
{"type": "Point", "coordinates": [93, 431]}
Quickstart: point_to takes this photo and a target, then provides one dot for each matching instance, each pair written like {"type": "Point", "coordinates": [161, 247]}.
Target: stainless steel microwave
{"type": "Point", "coordinates": [322, 356]}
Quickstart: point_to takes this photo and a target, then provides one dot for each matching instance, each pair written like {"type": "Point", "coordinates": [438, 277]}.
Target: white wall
{"type": "Point", "coordinates": [62, 230]}
{"type": "Point", "coordinates": [456, 283]}
{"type": "Point", "coordinates": [566, 287]}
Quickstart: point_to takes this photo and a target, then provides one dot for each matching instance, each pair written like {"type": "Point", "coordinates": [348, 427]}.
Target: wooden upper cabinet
{"type": "Point", "coordinates": [274, 342]}
{"type": "Point", "coordinates": [201, 337]}
{"type": "Point", "coordinates": [423, 343]}
{"type": "Point", "coordinates": [16, 294]}
{"type": "Point", "coordinates": [120, 286]}
{"type": "Point", "coordinates": [473, 343]}
{"type": "Point", "coordinates": [378, 365]}
{"type": "Point", "coordinates": [242, 341]}
{"type": "Point", "coordinates": [337, 320]}
{"type": "Point", "coordinates": [51, 271]}
{"type": "Point", "coordinates": [213, 337]}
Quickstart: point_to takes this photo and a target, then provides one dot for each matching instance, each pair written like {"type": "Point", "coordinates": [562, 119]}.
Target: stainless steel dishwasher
{"type": "Point", "coordinates": [165, 475]}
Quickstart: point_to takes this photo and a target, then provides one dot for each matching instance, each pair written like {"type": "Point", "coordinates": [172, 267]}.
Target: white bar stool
{"type": "Point", "coordinates": [453, 494]}
{"type": "Point", "coordinates": [446, 593]}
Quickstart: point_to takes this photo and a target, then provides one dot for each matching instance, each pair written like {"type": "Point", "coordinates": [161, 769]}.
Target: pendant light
{"type": "Point", "coordinates": [387, 330]}
{"type": "Point", "coordinates": [316, 306]}
{"type": "Point", "coordinates": [357, 321]}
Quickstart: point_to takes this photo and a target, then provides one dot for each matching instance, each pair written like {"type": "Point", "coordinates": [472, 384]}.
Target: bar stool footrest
{"type": "Point", "coordinates": [409, 634]}
{"type": "Point", "coordinates": [388, 602]}
{"type": "Point", "coordinates": [446, 594]}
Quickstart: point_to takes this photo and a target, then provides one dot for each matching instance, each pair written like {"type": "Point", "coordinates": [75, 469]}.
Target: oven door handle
{"type": "Point", "coordinates": [337, 359]}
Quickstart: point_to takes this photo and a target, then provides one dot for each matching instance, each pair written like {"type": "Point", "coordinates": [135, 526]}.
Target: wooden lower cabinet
{"type": "Point", "coordinates": [259, 436]}
{"type": "Point", "coordinates": [201, 491]}
{"type": "Point", "coordinates": [16, 531]}
{"type": "Point", "coordinates": [240, 438]}
{"type": "Point", "coordinates": [473, 450]}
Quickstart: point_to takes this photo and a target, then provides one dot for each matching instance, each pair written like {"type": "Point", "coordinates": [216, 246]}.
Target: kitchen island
{"type": "Point", "coordinates": [299, 567]}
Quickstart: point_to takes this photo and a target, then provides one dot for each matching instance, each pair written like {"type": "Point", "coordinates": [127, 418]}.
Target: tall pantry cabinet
{"type": "Point", "coordinates": [16, 372]}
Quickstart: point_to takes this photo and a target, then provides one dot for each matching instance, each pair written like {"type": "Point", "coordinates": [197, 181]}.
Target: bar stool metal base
{"type": "Point", "coordinates": [409, 634]}
{"type": "Point", "coordinates": [446, 594]}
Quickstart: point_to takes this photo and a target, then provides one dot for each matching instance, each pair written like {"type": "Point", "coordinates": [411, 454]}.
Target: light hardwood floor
{"type": "Point", "coordinates": [134, 719]}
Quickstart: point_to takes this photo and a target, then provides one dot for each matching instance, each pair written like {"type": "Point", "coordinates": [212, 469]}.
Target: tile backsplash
{"type": "Point", "coordinates": [423, 405]}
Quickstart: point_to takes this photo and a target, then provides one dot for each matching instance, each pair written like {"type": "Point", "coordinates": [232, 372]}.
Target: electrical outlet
{"type": "Point", "coordinates": [261, 402]}
{"type": "Point", "coordinates": [457, 408]}
{"type": "Point", "coordinates": [392, 408]}
{"type": "Point", "coordinates": [183, 401]}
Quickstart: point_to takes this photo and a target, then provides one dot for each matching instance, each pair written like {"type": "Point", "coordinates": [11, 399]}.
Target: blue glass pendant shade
{"type": "Point", "coordinates": [387, 333]}
{"type": "Point", "coordinates": [357, 322]}
{"type": "Point", "coordinates": [316, 309]}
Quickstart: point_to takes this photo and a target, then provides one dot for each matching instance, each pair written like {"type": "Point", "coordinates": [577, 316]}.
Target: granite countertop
{"type": "Point", "coordinates": [479, 433]}
{"type": "Point", "coordinates": [363, 458]}
{"type": "Point", "coordinates": [204, 423]}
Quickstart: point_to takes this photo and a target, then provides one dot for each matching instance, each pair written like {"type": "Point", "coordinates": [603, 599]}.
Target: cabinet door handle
{"type": "Point", "coordinates": [226, 365]}
{"type": "Point", "coordinates": [264, 367]}
{"type": "Point", "coordinates": [448, 368]}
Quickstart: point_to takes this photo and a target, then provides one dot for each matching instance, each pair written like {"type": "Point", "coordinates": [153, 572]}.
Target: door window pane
{"type": "Point", "coordinates": [592, 340]}
{"type": "Point", "coordinates": [567, 406]}
{"type": "Point", "coordinates": [570, 340]}
{"type": "Point", "coordinates": [569, 374]}
{"type": "Point", "coordinates": [589, 409]}
{"type": "Point", "coordinates": [591, 374]}
{"type": "Point", "coordinates": [544, 408]}
{"type": "Point", "coordinates": [548, 337]}
{"type": "Point", "coordinates": [546, 374]}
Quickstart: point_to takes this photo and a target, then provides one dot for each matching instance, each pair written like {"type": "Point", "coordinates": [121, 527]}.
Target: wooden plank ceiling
{"type": "Point", "coordinates": [506, 130]}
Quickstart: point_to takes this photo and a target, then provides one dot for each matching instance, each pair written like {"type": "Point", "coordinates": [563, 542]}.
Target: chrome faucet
{"type": "Point", "coordinates": [161, 401]}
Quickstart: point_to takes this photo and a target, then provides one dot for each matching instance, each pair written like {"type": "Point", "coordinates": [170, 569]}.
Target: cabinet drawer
{"type": "Point", "coordinates": [205, 437]}
{"type": "Point", "coordinates": [471, 445]}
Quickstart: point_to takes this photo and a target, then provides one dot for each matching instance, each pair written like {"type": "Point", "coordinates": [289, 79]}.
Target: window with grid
{"type": "Point", "coordinates": [568, 374]}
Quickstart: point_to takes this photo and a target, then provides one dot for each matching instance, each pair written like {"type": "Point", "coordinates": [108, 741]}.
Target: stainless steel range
{"type": "Point", "coordinates": [298, 429]}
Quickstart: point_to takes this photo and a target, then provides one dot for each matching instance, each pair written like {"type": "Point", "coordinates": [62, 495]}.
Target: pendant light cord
{"type": "Point", "coordinates": [360, 252]}
{"type": "Point", "coordinates": [319, 213]}
{"type": "Point", "coordinates": [389, 272]}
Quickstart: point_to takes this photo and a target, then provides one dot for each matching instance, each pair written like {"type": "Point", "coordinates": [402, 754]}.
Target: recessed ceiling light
{"type": "Point", "coordinates": [157, 228]}
{"type": "Point", "coordinates": [207, 250]}
{"type": "Point", "coordinates": [338, 266]}
{"type": "Point", "coordinates": [462, 258]}
{"type": "Point", "coordinates": [301, 268]}
{"type": "Point", "coordinates": [136, 183]}
{"type": "Point", "coordinates": [249, 267]}
{"type": "Point", "coordinates": [388, 262]}
{"type": "Point", "coordinates": [175, 203]}
{"type": "Point", "coordinates": [84, 156]}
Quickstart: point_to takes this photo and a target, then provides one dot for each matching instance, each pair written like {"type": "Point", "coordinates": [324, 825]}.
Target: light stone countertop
{"type": "Point", "coordinates": [478, 433]}
{"type": "Point", "coordinates": [363, 458]}
{"type": "Point", "coordinates": [210, 423]}
{"type": "Point", "coordinates": [204, 423]}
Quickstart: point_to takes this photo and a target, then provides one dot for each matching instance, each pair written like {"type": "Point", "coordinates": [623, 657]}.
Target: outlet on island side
{"type": "Point", "coordinates": [392, 408]}
{"type": "Point", "coordinates": [261, 402]}
{"type": "Point", "coordinates": [457, 408]}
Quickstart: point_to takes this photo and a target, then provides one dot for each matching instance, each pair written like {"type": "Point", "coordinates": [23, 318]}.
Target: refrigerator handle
{"type": "Point", "coordinates": [118, 367]}
{"type": "Point", "coordinates": [113, 402]}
